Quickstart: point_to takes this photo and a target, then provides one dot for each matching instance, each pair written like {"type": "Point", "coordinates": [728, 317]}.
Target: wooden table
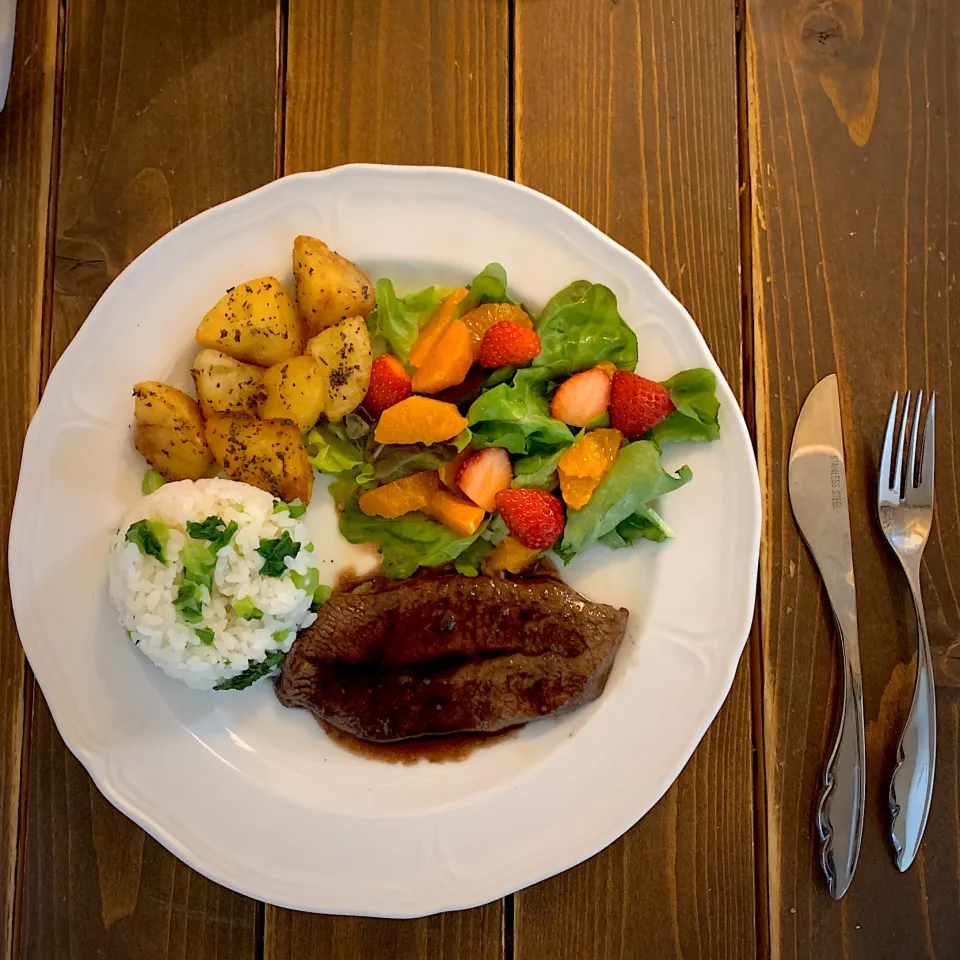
{"type": "Point", "coordinates": [784, 165]}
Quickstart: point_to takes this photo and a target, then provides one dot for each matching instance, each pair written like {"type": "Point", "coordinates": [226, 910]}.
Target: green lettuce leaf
{"type": "Point", "coordinates": [645, 524]}
{"type": "Point", "coordinates": [516, 416]}
{"type": "Point", "coordinates": [331, 453]}
{"type": "Point", "coordinates": [636, 478]}
{"type": "Point", "coordinates": [571, 294]}
{"type": "Point", "coordinates": [391, 461]}
{"type": "Point", "coordinates": [583, 328]}
{"type": "Point", "coordinates": [490, 534]}
{"type": "Point", "coordinates": [398, 319]}
{"type": "Point", "coordinates": [488, 286]}
{"type": "Point", "coordinates": [407, 542]}
{"type": "Point", "coordinates": [538, 470]}
{"type": "Point", "coordinates": [501, 375]}
{"type": "Point", "coordinates": [694, 394]}
{"type": "Point", "coordinates": [468, 563]}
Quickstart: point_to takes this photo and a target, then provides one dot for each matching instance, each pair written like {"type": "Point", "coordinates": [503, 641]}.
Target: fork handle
{"type": "Point", "coordinates": [911, 787]}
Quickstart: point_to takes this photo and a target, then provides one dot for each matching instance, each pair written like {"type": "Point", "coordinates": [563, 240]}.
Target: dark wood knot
{"type": "Point", "coordinates": [824, 35]}
{"type": "Point", "coordinates": [81, 268]}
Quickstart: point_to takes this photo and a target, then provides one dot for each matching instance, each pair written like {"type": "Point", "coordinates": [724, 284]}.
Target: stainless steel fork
{"type": "Point", "coordinates": [905, 508]}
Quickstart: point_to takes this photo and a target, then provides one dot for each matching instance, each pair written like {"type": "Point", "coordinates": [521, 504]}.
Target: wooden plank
{"type": "Point", "coordinates": [417, 81]}
{"type": "Point", "coordinates": [168, 107]}
{"type": "Point", "coordinates": [856, 209]}
{"type": "Point", "coordinates": [27, 134]}
{"type": "Point", "coordinates": [464, 935]}
{"type": "Point", "coordinates": [397, 81]}
{"type": "Point", "coordinates": [627, 112]}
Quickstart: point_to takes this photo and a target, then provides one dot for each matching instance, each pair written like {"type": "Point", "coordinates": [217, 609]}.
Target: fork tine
{"type": "Point", "coordinates": [923, 493]}
{"type": "Point", "coordinates": [898, 466]}
{"type": "Point", "coordinates": [913, 468]}
{"type": "Point", "coordinates": [886, 464]}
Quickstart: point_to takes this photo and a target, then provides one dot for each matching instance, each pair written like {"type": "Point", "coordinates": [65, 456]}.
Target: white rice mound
{"type": "Point", "coordinates": [144, 589]}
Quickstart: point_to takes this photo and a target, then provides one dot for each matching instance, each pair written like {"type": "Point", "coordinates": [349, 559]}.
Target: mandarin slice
{"type": "Point", "coordinates": [419, 420]}
{"type": "Point", "coordinates": [401, 496]}
{"type": "Point", "coordinates": [583, 466]}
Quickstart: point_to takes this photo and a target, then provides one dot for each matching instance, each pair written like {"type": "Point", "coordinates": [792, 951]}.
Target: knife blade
{"type": "Point", "coordinates": [818, 495]}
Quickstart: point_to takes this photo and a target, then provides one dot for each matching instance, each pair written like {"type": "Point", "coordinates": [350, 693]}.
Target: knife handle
{"type": "Point", "coordinates": [840, 813]}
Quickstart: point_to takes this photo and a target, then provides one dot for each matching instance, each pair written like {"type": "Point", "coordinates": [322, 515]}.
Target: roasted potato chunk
{"type": "Point", "coordinates": [329, 288]}
{"type": "Point", "coordinates": [345, 355]}
{"type": "Point", "coordinates": [294, 390]}
{"type": "Point", "coordinates": [169, 432]}
{"type": "Point", "coordinates": [267, 454]}
{"type": "Point", "coordinates": [225, 385]}
{"type": "Point", "coordinates": [255, 322]}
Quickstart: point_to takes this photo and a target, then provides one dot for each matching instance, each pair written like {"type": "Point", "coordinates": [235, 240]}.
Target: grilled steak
{"type": "Point", "coordinates": [450, 654]}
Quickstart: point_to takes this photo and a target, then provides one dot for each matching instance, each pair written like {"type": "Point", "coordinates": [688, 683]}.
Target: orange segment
{"type": "Point", "coordinates": [394, 499]}
{"type": "Point", "coordinates": [419, 420]}
{"type": "Point", "coordinates": [448, 363]}
{"type": "Point", "coordinates": [577, 491]}
{"type": "Point", "coordinates": [432, 331]}
{"type": "Point", "coordinates": [511, 556]}
{"type": "Point", "coordinates": [448, 472]}
{"type": "Point", "coordinates": [455, 512]}
{"type": "Point", "coordinates": [583, 466]}
{"type": "Point", "coordinates": [480, 319]}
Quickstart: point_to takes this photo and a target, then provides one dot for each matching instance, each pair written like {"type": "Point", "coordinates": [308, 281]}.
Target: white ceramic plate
{"type": "Point", "coordinates": [254, 795]}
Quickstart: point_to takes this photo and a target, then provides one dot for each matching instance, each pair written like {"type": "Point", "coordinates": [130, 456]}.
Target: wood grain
{"type": "Point", "coordinates": [403, 81]}
{"type": "Point", "coordinates": [168, 107]}
{"type": "Point", "coordinates": [27, 134]}
{"type": "Point", "coordinates": [855, 235]}
{"type": "Point", "coordinates": [627, 112]}
{"type": "Point", "coordinates": [464, 935]}
{"type": "Point", "coordinates": [397, 81]}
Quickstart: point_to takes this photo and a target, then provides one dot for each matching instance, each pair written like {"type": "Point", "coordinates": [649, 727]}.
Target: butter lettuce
{"type": "Point", "coordinates": [644, 524]}
{"type": "Point", "coordinates": [570, 294]}
{"type": "Point", "coordinates": [492, 532]}
{"type": "Point", "coordinates": [331, 450]}
{"type": "Point", "coordinates": [538, 470]}
{"type": "Point", "coordinates": [407, 542]}
{"type": "Point", "coordinates": [636, 478]}
{"type": "Point", "coordinates": [398, 319]}
{"type": "Point", "coordinates": [516, 416]}
{"type": "Point", "coordinates": [579, 328]}
{"type": "Point", "coordinates": [694, 394]}
{"type": "Point", "coordinates": [488, 286]}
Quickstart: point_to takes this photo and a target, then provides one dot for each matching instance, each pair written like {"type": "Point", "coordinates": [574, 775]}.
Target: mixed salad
{"type": "Point", "coordinates": [489, 435]}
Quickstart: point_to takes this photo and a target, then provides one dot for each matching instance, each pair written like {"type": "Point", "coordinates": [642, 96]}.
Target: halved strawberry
{"type": "Point", "coordinates": [389, 384]}
{"type": "Point", "coordinates": [448, 472]}
{"type": "Point", "coordinates": [482, 476]}
{"type": "Point", "coordinates": [582, 398]}
{"type": "Point", "coordinates": [637, 404]}
{"type": "Point", "coordinates": [508, 344]}
{"type": "Point", "coordinates": [533, 517]}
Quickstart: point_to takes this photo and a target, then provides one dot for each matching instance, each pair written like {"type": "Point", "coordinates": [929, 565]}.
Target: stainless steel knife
{"type": "Point", "coordinates": [818, 496]}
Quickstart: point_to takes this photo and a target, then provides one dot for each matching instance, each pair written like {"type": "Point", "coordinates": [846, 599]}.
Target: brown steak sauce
{"type": "Point", "coordinates": [432, 749]}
